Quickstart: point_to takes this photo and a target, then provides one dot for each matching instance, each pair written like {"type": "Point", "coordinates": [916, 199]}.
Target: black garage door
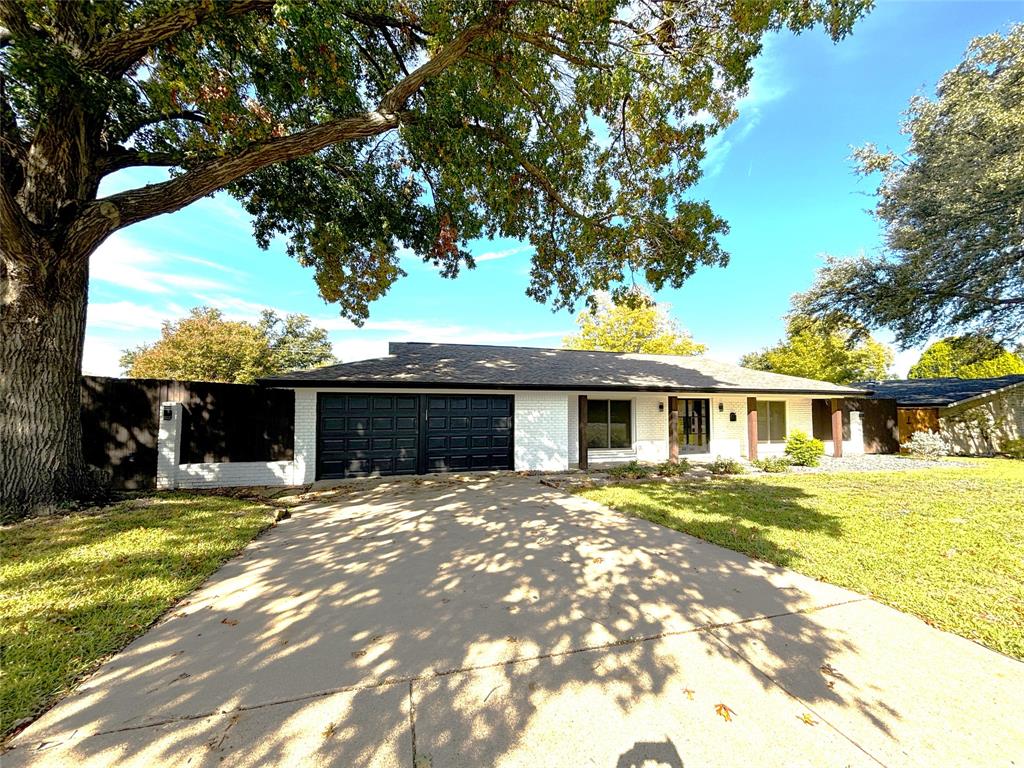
{"type": "Point", "coordinates": [374, 434]}
{"type": "Point", "coordinates": [468, 432]}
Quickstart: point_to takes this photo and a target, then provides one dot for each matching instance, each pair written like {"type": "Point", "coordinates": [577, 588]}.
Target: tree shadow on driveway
{"type": "Point", "coordinates": [468, 620]}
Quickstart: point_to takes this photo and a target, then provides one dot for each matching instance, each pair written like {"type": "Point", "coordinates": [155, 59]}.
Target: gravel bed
{"type": "Point", "coordinates": [876, 462]}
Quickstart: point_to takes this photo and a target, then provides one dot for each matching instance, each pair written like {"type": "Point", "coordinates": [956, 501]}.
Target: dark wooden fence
{"type": "Point", "coordinates": [878, 417]}
{"type": "Point", "coordinates": [222, 422]}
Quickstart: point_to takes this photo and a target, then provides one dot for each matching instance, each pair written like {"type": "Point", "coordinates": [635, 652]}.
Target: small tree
{"type": "Point", "coordinates": [206, 347]}
{"type": "Point", "coordinates": [815, 350]}
{"type": "Point", "coordinates": [953, 210]}
{"type": "Point", "coordinates": [635, 323]}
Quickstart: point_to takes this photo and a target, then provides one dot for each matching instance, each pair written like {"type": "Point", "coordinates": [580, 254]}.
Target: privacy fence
{"type": "Point", "coordinates": [220, 423]}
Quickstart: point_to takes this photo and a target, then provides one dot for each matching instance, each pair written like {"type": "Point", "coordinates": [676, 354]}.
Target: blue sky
{"type": "Point", "coordinates": [780, 175]}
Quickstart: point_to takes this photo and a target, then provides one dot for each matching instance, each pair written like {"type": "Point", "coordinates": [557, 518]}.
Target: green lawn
{"type": "Point", "coordinates": [75, 589]}
{"type": "Point", "coordinates": [944, 544]}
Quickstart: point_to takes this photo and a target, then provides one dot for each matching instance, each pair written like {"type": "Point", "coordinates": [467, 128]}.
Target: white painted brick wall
{"type": "Point", "coordinates": [541, 428]}
{"type": "Point", "coordinates": [651, 427]}
{"type": "Point", "coordinates": [305, 436]}
{"type": "Point", "coordinates": [728, 438]}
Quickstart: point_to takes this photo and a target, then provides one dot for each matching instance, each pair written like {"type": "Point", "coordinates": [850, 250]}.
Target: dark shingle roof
{"type": "Point", "coordinates": [936, 392]}
{"type": "Point", "coordinates": [477, 366]}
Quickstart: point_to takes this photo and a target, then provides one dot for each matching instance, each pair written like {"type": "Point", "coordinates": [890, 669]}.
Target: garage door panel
{"type": "Point", "coordinates": [477, 433]}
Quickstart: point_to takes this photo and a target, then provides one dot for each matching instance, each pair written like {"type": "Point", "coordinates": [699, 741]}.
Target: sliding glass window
{"type": "Point", "coordinates": [771, 421]}
{"type": "Point", "coordinates": [609, 424]}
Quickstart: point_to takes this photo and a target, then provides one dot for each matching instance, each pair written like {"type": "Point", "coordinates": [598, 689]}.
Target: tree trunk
{"type": "Point", "coordinates": [41, 339]}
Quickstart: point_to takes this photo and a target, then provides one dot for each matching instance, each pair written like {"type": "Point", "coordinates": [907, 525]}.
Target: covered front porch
{"type": "Point", "coordinates": [609, 429]}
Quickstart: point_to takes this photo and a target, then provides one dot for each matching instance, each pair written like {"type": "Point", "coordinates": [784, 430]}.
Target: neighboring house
{"type": "Point", "coordinates": [440, 407]}
{"type": "Point", "coordinates": [974, 416]}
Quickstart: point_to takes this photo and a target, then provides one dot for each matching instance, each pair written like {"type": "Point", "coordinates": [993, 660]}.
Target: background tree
{"type": "Point", "coordinates": [353, 128]}
{"type": "Point", "coordinates": [953, 210]}
{"type": "Point", "coordinates": [295, 343]}
{"type": "Point", "coordinates": [635, 323]}
{"type": "Point", "coordinates": [825, 352]}
{"type": "Point", "coordinates": [966, 357]}
{"type": "Point", "coordinates": [206, 347]}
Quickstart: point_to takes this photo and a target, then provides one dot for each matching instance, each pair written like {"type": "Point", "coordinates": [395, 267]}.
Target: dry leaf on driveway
{"type": "Point", "coordinates": [725, 711]}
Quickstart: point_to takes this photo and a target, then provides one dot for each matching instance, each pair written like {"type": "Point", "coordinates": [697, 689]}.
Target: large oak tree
{"type": "Point", "coordinates": [353, 127]}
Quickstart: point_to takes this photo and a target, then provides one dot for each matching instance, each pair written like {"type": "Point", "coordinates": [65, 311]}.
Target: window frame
{"type": "Point", "coordinates": [765, 439]}
{"type": "Point", "coordinates": [607, 423]}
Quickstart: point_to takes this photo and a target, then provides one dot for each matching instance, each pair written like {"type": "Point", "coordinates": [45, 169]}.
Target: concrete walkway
{"type": "Point", "coordinates": [492, 621]}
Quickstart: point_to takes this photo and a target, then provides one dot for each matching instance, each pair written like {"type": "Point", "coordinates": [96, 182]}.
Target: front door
{"type": "Point", "coordinates": [694, 425]}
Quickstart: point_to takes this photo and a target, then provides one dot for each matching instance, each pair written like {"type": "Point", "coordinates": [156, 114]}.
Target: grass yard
{"type": "Point", "coordinates": [75, 589]}
{"type": "Point", "coordinates": [945, 544]}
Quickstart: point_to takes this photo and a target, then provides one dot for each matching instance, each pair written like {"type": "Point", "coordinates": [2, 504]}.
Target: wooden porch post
{"type": "Point", "coordinates": [673, 429]}
{"type": "Point", "coordinates": [837, 427]}
{"type": "Point", "coordinates": [751, 428]}
{"type": "Point", "coordinates": [583, 432]}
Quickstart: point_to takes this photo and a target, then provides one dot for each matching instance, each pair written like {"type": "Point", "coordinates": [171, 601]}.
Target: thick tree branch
{"type": "Point", "coordinates": [108, 214]}
{"type": "Point", "coordinates": [120, 158]}
{"type": "Point", "coordinates": [118, 53]}
{"type": "Point", "coordinates": [163, 117]}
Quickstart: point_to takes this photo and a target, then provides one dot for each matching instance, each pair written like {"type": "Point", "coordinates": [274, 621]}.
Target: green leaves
{"type": "Point", "coordinates": [632, 324]}
{"type": "Point", "coordinates": [576, 125]}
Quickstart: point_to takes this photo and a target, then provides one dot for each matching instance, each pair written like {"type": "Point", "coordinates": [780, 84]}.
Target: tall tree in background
{"type": "Point", "coordinates": [634, 323]}
{"type": "Point", "coordinates": [206, 347]}
{"type": "Point", "coordinates": [953, 210]}
{"type": "Point", "coordinates": [816, 350]}
{"type": "Point", "coordinates": [967, 357]}
{"type": "Point", "coordinates": [353, 128]}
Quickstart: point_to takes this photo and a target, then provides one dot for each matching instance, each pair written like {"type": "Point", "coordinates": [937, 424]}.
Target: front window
{"type": "Point", "coordinates": [771, 421]}
{"type": "Point", "coordinates": [609, 424]}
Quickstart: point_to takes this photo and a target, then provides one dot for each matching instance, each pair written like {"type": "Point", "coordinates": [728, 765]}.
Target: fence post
{"type": "Point", "coordinates": [168, 446]}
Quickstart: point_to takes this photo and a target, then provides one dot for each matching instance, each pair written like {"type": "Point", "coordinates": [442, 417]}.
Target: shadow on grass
{"type": "Point", "coordinates": [732, 512]}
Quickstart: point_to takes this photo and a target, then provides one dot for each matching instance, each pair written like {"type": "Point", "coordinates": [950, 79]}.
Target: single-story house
{"type": "Point", "coordinates": [974, 416]}
{"type": "Point", "coordinates": [441, 407]}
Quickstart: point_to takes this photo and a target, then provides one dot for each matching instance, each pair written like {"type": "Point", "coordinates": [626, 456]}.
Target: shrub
{"type": "Point", "coordinates": [669, 469]}
{"type": "Point", "coordinates": [724, 466]}
{"type": "Point", "coordinates": [772, 464]}
{"type": "Point", "coordinates": [634, 470]}
{"type": "Point", "coordinates": [927, 445]}
{"type": "Point", "coordinates": [1013, 448]}
{"type": "Point", "coordinates": [803, 450]}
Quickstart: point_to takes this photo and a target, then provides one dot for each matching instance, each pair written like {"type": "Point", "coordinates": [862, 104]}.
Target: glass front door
{"type": "Point", "coordinates": [694, 431]}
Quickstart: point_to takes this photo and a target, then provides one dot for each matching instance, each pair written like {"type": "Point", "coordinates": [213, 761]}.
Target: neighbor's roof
{"type": "Point", "coordinates": [476, 366]}
{"type": "Point", "coordinates": [937, 392]}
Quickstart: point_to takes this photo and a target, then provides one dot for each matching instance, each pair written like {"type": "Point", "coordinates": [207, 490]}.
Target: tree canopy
{"type": "Point", "coordinates": [953, 210]}
{"type": "Point", "coordinates": [635, 323]}
{"type": "Point", "coordinates": [967, 357]}
{"type": "Point", "coordinates": [816, 350]}
{"type": "Point", "coordinates": [205, 347]}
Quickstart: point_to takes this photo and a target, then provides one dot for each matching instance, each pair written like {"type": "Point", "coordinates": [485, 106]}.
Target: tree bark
{"type": "Point", "coordinates": [41, 339]}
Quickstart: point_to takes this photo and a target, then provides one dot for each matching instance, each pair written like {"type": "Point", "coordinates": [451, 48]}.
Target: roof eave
{"type": "Point", "coordinates": [377, 384]}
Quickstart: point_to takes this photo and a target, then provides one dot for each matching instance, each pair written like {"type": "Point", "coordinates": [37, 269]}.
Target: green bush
{"type": "Point", "coordinates": [1013, 448]}
{"type": "Point", "coordinates": [724, 466]}
{"type": "Point", "coordinates": [803, 450]}
{"type": "Point", "coordinates": [668, 469]}
{"type": "Point", "coordinates": [772, 464]}
{"type": "Point", "coordinates": [634, 470]}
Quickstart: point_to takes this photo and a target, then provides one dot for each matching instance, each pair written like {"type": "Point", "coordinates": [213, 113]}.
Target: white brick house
{"type": "Point", "coordinates": [441, 407]}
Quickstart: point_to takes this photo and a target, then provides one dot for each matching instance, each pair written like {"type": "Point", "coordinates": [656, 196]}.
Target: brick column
{"type": "Point", "coordinates": [751, 428]}
{"type": "Point", "coordinates": [168, 446]}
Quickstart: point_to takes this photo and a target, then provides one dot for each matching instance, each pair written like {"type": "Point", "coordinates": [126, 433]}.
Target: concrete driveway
{"type": "Point", "coordinates": [493, 621]}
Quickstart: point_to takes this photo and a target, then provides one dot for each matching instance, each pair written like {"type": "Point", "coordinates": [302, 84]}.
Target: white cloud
{"type": "Point", "coordinates": [766, 86]}
{"type": "Point", "coordinates": [122, 262]}
{"type": "Point", "coordinates": [101, 356]}
{"type": "Point", "coordinates": [495, 255]}
{"type": "Point", "coordinates": [129, 316]}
